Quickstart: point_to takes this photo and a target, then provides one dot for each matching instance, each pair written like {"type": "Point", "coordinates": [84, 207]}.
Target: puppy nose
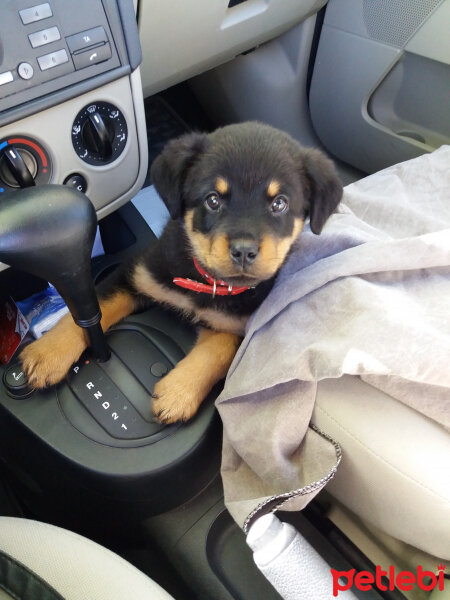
{"type": "Point", "coordinates": [243, 252]}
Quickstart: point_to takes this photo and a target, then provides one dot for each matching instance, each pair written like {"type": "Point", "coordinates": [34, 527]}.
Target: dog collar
{"type": "Point", "coordinates": [215, 287]}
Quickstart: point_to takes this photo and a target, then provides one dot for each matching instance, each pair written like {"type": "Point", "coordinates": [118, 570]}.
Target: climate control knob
{"type": "Point", "coordinates": [18, 168]}
{"type": "Point", "coordinates": [23, 163]}
{"type": "Point", "coordinates": [99, 133]}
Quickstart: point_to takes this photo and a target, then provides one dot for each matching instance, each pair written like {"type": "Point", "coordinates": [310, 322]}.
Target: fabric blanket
{"type": "Point", "coordinates": [369, 297]}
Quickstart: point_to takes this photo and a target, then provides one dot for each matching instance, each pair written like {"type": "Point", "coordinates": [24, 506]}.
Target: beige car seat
{"type": "Point", "coordinates": [42, 561]}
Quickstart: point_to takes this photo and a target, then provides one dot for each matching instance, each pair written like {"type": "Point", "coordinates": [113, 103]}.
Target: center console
{"type": "Point", "coordinates": [87, 454]}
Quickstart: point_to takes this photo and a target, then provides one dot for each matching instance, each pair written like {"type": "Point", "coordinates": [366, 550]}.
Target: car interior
{"type": "Point", "coordinates": [90, 93]}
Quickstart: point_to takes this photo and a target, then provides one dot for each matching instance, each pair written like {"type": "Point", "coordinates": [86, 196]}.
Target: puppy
{"type": "Point", "coordinates": [238, 199]}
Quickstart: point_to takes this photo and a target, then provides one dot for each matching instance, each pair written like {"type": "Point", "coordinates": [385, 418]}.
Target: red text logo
{"type": "Point", "coordinates": [403, 580]}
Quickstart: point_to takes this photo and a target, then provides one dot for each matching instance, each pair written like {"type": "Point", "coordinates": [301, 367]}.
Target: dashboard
{"type": "Point", "coordinates": [71, 105]}
{"type": "Point", "coordinates": [181, 39]}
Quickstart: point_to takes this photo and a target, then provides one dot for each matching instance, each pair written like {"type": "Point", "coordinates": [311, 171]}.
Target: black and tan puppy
{"type": "Point", "coordinates": [238, 199]}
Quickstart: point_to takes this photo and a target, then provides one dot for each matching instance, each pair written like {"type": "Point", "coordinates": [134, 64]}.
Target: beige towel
{"type": "Point", "coordinates": [369, 297]}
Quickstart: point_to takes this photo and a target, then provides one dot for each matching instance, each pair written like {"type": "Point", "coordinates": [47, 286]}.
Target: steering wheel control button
{"type": "Point", "coordinates": [25, 70]}
{"type": "Point", "coordinates": [106, 403]}
{"type": "Point", "coordinates": [77, 182]}
{"type": "Point", "coordinates": [92, 56]}
{"type": "Point", "coordinates": [86, 39]}
{"type": "Point", "coordinates": [159, 369]}
{"type": "Point", "coordinates": [99, 133]}
{"type": "Point", "coordinates": [6, 77]}
{"type": "Point", "coordinates": [16, 382]}
{"type": "Point", "coordinates": [35, 13]}
{"type": "Point", "coordinates": [45, 36]}
{"type": "Point", "coordinates": [54, 59]}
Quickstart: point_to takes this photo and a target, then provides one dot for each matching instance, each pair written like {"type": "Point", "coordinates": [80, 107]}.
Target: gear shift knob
{"type": "Point", "coordinates": [49, 231]}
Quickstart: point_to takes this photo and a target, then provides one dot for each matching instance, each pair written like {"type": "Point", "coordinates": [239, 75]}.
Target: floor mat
{"type": "Point", "coordinates": [163, 124]}
{"type": "Point", "coordinates": [169, 114]}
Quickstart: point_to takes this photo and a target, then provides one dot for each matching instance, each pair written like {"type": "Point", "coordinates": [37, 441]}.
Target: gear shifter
{"type": "Point", "coordinates": [49, 231]}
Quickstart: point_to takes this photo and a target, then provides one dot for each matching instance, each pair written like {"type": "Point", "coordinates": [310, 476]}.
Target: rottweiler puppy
{"type": "Point", "coordinates": [238, 199]}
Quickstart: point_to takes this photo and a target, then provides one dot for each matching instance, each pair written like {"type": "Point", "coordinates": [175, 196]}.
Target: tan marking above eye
{"type": "Point", "coordinates": [221, 185]}
{"type": "Point", "coordinates": [274, 188]}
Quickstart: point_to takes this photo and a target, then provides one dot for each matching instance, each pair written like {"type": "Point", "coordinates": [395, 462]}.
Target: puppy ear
{"type": "Point", "coordinates": [169, 169]}
{"type": "Point", "coordinates": [323, 187]}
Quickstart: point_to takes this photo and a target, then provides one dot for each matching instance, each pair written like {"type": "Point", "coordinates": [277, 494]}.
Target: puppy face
{"type": "Point", "coordinates": [244, 193]}
{"type": "Point", "coordinates": [242, 213]}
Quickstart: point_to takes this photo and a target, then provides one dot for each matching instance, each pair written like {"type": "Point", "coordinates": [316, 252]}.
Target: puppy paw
{"type": "Point", "coordinates": [47, 360]}
{"type": "Point", "coordinates": [173, 400]}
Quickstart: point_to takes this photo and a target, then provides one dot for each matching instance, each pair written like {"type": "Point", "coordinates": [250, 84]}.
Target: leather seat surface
{"type": "Point", "coordinates": [74, 566]}
{"type": "Point", "coordinates": [395, 467]}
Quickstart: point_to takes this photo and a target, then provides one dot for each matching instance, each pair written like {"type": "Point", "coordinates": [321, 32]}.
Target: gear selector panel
{"type": "Point", "coordinates": [117, 394]}
{"type": "Point", "coordinates": [106, 403]}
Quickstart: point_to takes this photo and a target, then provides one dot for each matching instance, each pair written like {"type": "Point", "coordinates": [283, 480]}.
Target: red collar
{"type": "Point", "coordinates": [215, 287]}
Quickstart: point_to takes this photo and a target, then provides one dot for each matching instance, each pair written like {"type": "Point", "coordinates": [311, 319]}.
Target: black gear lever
{"type": "Point", "coordinates": [49, 231]}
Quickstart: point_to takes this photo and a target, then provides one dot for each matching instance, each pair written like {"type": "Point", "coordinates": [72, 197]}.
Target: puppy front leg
{"type": "Point", "coordinates": [47, 360]}
{"type": "Point", "coordinates": [180, 393]}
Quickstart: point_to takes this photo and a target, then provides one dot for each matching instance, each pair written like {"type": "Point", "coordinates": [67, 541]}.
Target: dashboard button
{"type": "Point", "coordinates": [53, 59]}
{"type": "Point", "coordinates": [6, 77]}
{"type": "Point", "coordinates": [35, 13]}
{"type": "Point", "coordinates": [92, 56]}
{"type": "Point", "coordinates": [86, 39]}
{"type": "Point", "coordinates": [77, 182]}
{"type": "Point", "coordinates": [45, 36]}
{"type": "Point", "coordinates": [25, 70]}
{"type": "Point", "coordinates": [16, 382]}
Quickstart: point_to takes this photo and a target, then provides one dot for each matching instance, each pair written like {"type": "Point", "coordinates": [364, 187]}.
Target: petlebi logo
{"type": "Point", "coordinates": [387, 580]}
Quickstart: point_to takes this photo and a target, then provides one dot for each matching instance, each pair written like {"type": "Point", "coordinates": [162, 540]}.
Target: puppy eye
{"type": "Point", "coordinates": [279, 205]}
{"type": "Point", "coordinates": [213, 202]}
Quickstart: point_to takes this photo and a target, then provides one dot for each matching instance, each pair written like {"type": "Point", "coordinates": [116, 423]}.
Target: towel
{"type": "Point", "coordinates": [369, 297]}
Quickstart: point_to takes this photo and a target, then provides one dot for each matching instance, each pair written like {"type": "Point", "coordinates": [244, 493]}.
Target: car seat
{"type": "Point", "coordinates": [38, 560]}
